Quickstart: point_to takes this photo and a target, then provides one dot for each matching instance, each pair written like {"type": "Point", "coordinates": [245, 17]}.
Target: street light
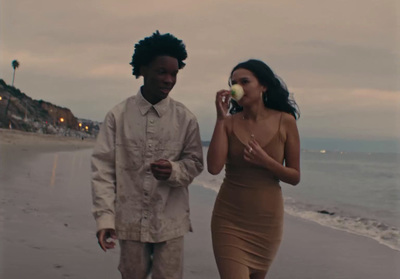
{"type": "Point", "coordinates": [61, 119]}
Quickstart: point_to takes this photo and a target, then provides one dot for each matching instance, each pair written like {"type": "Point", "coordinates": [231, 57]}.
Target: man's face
{"type": "Point", "coordinates": [159, 78]}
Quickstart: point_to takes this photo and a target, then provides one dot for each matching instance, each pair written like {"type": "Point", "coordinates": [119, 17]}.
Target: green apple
{"type": "Point", "coordinates": [237, 92]}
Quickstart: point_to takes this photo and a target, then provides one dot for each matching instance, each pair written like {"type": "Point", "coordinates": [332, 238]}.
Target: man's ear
{"type": "Point", "coordinates": [143, 70]}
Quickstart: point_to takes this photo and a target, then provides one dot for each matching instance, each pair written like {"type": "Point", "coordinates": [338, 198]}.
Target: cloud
{"type": "Point", "coordinates": [359, 113]}
{"type": "Point", "coordinates": [338, 57]}
{"type": "Point", "coordinates": [347, 66]}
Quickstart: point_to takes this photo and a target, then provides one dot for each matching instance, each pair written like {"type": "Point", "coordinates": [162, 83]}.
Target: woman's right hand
{"type": "Point", "coordinates": [222, 103]}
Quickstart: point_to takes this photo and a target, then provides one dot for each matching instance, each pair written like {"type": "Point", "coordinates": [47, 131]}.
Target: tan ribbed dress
{"type": "Point", "coordinates": [247, 219]}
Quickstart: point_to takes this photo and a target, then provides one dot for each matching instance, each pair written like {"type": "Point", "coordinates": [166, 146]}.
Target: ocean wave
{"type": "Point", "coordinates": [209, 182]}
{"type": "Point", "coordinates": [335, 218]}
{"type": "Point", "coordinates": [371, 228]}
{"type": "Point", "coordinates": [332, 218]}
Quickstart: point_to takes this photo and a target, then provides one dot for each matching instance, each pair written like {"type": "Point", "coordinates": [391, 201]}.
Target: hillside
{"type": "Point", "coordinates": [21, 112]}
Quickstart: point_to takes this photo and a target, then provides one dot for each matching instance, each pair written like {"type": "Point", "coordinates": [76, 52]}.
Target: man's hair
{"type": "Point", "coordinates": [157, 45]}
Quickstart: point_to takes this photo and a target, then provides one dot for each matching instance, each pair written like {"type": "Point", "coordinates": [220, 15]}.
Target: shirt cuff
{"type": "Point", "coordinates": [105, 221]}
{"type": "Point", "coordinates": [173, 178]}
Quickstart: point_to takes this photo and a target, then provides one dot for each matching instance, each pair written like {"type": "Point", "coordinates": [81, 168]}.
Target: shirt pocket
{"type": "Point", "coordinates": [169, 151]}
{"type": "Point", "coordinates": [129, 156]}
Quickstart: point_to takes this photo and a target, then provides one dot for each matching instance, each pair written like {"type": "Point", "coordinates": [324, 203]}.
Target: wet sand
{"type": "Point", "coordinates": [47, 231]}
{"type": "Point", "coordinates": [36, 143]}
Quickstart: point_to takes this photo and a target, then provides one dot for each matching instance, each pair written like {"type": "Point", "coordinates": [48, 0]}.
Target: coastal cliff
{"type": "Point", "coordinates": [21, 112]}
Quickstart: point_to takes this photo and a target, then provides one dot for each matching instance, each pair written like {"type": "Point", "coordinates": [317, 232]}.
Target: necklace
{"type": "Point", "coordinates": [248, 128]}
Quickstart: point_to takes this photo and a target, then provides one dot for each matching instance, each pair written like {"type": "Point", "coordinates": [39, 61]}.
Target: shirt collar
{"type": "Point", "coordinates": [144, 106]}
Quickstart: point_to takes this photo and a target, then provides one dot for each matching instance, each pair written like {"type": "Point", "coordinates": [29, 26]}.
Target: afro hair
{"type": "Point", "coordinates": [157, 45]}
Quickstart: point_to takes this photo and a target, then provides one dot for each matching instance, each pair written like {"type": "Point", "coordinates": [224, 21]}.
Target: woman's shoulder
{"type": "Point", "coordinates": [288, 122]}
{"type": "Point", "coordinates": [287, 117]}
{"type": "Point", "coordinates": [233, 117]}
{"type": "Point", "coordinates": [282, 115]}
{"type": "Point", "coordinates": [230, 119]}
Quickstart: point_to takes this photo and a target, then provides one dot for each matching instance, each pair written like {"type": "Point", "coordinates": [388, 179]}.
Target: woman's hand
{"type": "Point", "coordinates": [222, 103]}
{"type": "Point", "coordinates": [253, 153]}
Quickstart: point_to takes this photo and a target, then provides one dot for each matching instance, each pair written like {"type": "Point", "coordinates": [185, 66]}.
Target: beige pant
{"type": "Point", "coordinates": [163, 260]}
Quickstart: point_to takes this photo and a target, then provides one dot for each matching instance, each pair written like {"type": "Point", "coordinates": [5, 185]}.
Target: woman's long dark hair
{"type": "Point", "coordinates": [276, 97]}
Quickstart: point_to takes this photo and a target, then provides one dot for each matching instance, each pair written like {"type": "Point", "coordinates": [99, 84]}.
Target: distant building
{"type": "Point", "coordinates": [89, 126]}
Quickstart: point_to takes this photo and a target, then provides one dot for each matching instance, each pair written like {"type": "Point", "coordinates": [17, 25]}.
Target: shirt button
{"type": "Point", "coordinates": [151, 121]}
{"type": "Point", "coordinates": [149, 144]}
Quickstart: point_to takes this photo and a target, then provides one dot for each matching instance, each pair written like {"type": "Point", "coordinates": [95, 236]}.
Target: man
{"type": "Point", "coordinates": [147, 153]}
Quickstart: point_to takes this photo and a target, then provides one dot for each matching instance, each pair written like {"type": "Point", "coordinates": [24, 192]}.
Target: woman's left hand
{"type": "Point", "coordinates": [253, 153]}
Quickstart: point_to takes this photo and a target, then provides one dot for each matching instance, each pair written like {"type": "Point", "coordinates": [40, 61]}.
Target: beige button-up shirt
{"type": "Point", "coordinates": [126, 196]}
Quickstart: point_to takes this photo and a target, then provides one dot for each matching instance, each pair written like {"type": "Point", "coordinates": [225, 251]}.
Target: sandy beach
{"type": "Point", "coordinates": [36, 143]}
{"type": "Point", "coordinates": [47, 231]}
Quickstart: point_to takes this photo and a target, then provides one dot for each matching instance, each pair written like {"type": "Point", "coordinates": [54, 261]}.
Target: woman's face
{"type": "Point", "coordinates": [252, 88]}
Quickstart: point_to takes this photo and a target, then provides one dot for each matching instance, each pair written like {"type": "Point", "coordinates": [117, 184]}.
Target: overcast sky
{"type": "Point", "coordinates": [340, 59]}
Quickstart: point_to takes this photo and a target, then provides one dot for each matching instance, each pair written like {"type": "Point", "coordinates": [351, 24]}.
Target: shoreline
{"type": "Point", "coordinates": [373, 229]}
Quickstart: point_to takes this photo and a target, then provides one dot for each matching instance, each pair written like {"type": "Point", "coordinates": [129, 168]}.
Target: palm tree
{"type": "Point", "coordinates": [15, 65]}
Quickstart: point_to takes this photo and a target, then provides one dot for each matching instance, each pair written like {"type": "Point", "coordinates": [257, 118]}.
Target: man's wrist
{"type": "Point", "coordinates": [105, 221]}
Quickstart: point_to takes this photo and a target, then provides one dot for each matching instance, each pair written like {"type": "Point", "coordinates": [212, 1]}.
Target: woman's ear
{"type": "Point", "coordinates": [264, 89]}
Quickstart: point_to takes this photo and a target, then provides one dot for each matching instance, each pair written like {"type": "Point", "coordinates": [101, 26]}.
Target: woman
{"type": "Point", "coordinates": [259, 145]}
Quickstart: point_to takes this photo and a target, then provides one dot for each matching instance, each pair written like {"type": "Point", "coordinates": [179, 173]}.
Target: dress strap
{"type": "Point", "coordinates": [238, 132]}
{"type": "Point", "coordinates": [279, 128]}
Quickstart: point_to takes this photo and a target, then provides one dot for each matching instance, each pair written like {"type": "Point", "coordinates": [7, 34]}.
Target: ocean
{"type": "Point", "coordinates": [355, 192]}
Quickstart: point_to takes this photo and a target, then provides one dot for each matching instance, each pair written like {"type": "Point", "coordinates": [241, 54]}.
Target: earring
{"type": "Point", "coordinates": [264, 96]}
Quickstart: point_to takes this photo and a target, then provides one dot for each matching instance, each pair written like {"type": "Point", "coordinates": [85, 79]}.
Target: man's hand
{"type": "Point", "coordinates": [161, 169]}
{"type": "Point", "coordinates": [103, 237]}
